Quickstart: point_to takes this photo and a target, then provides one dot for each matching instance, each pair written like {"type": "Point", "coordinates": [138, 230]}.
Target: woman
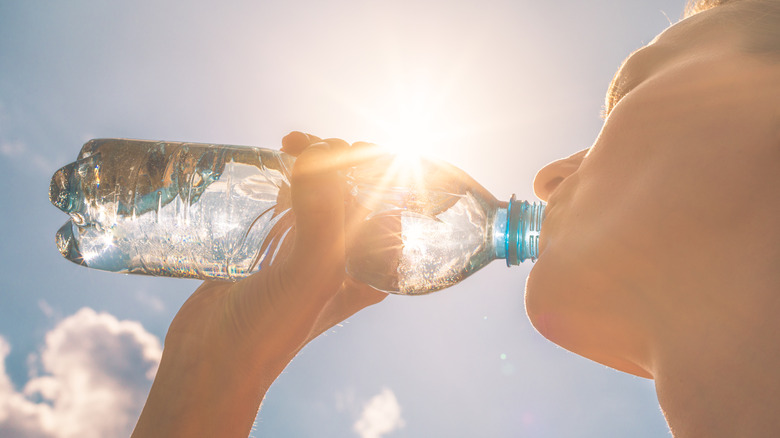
{"type": "Point", "coordinates": [660, 252]}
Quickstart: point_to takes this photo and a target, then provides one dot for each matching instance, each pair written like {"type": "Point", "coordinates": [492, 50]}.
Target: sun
{"type": "Point", "coordinates": [414, 117]}
{"type": "Point", "coordinates": [411, 132]}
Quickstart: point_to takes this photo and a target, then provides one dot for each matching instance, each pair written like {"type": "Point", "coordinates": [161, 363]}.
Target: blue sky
{"type": "Point", "coordinates": [498, 88]}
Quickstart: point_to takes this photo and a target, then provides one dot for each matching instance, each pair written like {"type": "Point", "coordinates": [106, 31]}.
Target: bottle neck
{"type": "Point", "coordinates": [516, 231]}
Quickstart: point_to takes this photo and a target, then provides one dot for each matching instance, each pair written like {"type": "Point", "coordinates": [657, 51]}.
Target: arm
{"type": "Point", "coordinates": [230, 341]}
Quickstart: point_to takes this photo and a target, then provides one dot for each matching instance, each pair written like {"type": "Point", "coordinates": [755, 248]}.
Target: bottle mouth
{"type": "Point", "coordinates": [524, 223]}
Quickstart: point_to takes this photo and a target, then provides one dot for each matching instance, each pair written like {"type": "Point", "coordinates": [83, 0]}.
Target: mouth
{"type": "Point", "coordinates": [543, 232]}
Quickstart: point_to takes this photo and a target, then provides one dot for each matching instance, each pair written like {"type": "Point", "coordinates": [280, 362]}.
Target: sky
{"type": "Point", "coordinates": [497, 88]}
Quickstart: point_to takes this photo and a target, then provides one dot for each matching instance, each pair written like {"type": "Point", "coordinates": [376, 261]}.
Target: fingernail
{"type": "Point", "coordinates": [295, 142]}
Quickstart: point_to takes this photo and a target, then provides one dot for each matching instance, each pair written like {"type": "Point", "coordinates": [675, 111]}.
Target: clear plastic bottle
{"type": "Point", "coordinates": [222, 212]}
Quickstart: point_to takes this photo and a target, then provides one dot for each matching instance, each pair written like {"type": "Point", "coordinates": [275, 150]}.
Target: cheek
{"type": "Point", "coordinates": [578, 293]}
{"type": "Point", "coordinates": [548, 298]}
{"type": "Point", "coordinates": [585, 313]}
{"type": "Point", "coordinates": [565, 305]}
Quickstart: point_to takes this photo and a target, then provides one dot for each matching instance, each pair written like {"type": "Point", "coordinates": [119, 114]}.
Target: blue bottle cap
{"type": "Point", "coordinates": [524, 221]}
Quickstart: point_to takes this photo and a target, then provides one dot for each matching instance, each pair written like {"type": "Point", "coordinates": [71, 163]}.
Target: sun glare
{"type": "Point", "coordinates": [413, 122]}
{"type": "Point", "coordinates": [411, 133]}
{"type": "Point", "coordinates": [414, 118]}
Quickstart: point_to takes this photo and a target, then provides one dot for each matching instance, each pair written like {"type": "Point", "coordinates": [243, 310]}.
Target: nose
{"type": "Point", "coordinates": [550, 176]}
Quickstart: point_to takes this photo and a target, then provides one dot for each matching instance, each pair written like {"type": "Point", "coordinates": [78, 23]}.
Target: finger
{"type": "Point", "coordinates": [345, 155]}
{"type": "Point", "coordinates": [340, 149]}
{"type": "Point", "coordinates": [361, 152]}
{"type": "Point", "coordinates": [317, 257]}
{"type": "Point", "coordinates": [295, 142]}
{"type": "Point", "coordinates": [355, 216]}
{"type": "Point", "coordinates": [337, 144]}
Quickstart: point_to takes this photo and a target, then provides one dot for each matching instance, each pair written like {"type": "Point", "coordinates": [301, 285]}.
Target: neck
{"type": "Point", "coordinates": [717, 372]}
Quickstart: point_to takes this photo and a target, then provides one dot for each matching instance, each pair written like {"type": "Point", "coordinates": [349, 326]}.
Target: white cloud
{"type": "Point", "coordinates": [12, 148]}
{"type": "Point", "coordinates": [45, 307]}
{"type": "Point", "coordinates": [152, 301]}
{"type": "Point", "coordinates": [42, 163]}
{"type": "Point", "coordinates": [381, 415]}
{"type": "Point", "coordinates": [345, 401]}
{"type": "Point", "coordinates": [18, 151]}
{"type": "Point", "coordinates": [96, 372]}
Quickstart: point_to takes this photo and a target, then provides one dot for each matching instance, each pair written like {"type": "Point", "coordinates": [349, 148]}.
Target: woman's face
{"type": "Point", "coordinates": [639, 222]}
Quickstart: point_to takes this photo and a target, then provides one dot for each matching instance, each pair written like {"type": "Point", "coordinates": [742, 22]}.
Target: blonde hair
{"type": "Point", "coordinates": [696, 6]}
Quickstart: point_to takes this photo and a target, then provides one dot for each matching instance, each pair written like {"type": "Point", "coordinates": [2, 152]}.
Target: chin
{"type": "Point", "coordinates": [570, 309]}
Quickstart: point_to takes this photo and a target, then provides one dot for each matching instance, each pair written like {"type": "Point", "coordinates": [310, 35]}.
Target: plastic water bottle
{"type": "Point", "coordinates": [209, 211]}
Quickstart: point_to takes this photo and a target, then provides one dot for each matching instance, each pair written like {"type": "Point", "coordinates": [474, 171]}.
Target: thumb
{"type": "Point", "coordinates": [318, 252]}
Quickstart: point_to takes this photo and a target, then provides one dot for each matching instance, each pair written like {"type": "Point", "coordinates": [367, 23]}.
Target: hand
{"type": "Point", "coordinates": [230, 341]}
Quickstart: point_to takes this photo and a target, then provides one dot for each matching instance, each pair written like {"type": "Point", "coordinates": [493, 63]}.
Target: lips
{"type": "Point", "coordinates": [543, 233]}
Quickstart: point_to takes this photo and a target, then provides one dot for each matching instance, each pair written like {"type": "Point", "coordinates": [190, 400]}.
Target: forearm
{"type": "Point", "coordinates": [205, 396]}
{"type": "Point", "coordinates": [230, 341]}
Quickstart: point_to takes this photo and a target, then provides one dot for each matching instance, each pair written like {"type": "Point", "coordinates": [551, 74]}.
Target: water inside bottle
{"type": "Point", "coordinates": [415, 251]}
{"type": "Point", "coordinates": [212, 211]}
{"type": "Point", "coordinates": [191, 211]}
{"type": "Point", "coordinates": [437, 251]}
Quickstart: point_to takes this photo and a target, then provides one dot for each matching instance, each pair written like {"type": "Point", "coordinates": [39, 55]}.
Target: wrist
{"type": "Point", "coordinates": [214, 394]}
